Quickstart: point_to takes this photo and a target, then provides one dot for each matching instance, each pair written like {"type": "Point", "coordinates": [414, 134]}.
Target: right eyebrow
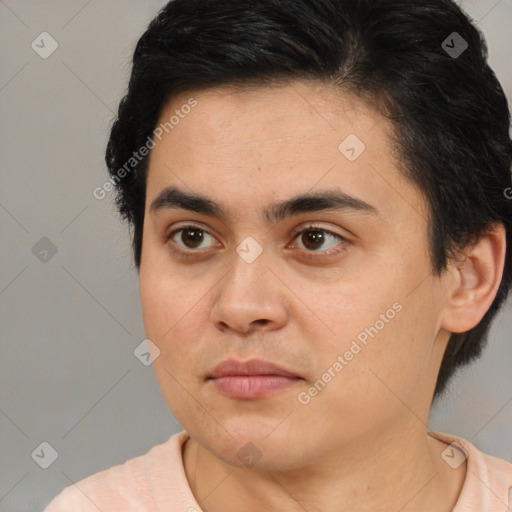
{"type": "Point", "coordinates": [324, 200]}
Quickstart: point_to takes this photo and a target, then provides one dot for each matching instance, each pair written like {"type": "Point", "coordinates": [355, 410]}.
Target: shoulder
{"type": "Point", "coordinates": [488, 483]}
{"type": "Point", "coordinates": [126, 487]}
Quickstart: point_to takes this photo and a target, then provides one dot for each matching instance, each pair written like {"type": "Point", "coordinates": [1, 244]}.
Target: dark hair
{"type": "Point", "coordinates": [450, 115]}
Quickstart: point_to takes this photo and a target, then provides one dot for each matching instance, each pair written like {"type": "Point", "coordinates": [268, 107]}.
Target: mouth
{"type": "Point", "coordinates": [251, 379]}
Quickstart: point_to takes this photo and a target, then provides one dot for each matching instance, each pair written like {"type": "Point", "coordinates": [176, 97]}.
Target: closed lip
{"type": "Point", "coordinates": [253, 367]}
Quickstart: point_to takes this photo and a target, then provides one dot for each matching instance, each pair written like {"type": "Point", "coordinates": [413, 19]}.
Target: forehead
{"type": "Point", "coordinates": [274, 142]}
{"type": "Point", "coordinates": [297, 110]}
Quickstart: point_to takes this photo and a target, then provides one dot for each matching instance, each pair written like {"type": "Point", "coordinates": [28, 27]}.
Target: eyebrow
{"type": "Point", "coordinates": [323, 200]}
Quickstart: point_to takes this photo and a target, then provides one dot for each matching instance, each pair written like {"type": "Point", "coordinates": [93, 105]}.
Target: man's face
{"type": "Point", "coordinates": [343, 299]}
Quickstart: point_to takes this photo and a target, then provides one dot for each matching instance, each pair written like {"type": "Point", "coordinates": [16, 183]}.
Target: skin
{"type": "Point", "coordinates": [361, 443]}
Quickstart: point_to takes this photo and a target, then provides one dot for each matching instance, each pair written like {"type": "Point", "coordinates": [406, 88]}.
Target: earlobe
{"type": "Point", "coordinates": [477, 276]}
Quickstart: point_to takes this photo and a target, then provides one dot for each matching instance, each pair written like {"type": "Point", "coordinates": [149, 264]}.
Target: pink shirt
{"type": "Point", "coordinates": [156, 482]}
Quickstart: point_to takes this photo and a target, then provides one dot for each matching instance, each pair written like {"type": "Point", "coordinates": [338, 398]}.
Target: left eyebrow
{"type": "Point", "coordinates": [323, 200]}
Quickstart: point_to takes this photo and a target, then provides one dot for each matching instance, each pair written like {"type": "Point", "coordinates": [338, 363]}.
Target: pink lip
{"type": "Point", "coordinates": [251, 379]}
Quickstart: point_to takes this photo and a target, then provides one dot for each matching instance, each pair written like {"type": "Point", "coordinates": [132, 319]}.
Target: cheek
{"type": "Point", "coordinates": [376, 379]}
{"type": "Point", "coordinates": [168, 313]}
{"type": "Point", "coordinates": [173, 310]}
{"type": "Point", "coordinates": [347, 312]}
{"type": "Point", "coordinates": [168, 300]}
{"type": "Point", "coordinates": [384, 336]}
{"type": "Point", "coordinates": [395, 359]}
{"type": "Point", "coordinates": [155, 298]}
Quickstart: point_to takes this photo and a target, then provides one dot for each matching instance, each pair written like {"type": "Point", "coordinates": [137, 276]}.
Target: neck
{"type": "Point", "coordinates": [393, 472]}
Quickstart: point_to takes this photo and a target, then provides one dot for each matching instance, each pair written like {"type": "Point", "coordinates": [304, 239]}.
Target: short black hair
{"type": "Point", "coordinates": [409, 59]}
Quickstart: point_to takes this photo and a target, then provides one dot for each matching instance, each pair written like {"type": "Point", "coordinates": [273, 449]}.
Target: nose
{"type": "Point", "coordinates": [249, 298]}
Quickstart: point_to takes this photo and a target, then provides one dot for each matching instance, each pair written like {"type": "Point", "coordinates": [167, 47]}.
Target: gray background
{"type": "Point", "coordinates": [69, 325]}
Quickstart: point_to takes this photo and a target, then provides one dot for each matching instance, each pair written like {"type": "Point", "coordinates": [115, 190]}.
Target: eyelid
{"type": "Point", "coordinates": [170, 233]}
{"type": "Point", "coordinates": [315, 226]}
{"type": "Point", "coordinates": [326, 253]}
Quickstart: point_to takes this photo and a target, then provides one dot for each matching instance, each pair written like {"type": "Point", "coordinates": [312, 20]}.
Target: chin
{"type": "Point", "coordinates": [258, 446]}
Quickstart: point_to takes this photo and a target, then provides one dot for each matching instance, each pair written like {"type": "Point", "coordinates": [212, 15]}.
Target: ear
{"type": "Point", "coordinates": [476, 277]}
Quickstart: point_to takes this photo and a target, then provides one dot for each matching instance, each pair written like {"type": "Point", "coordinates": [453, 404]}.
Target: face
{"type": "Point", "coordinates": [336, 291]}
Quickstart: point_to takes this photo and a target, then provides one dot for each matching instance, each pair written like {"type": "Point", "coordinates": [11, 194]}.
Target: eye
{"type": "Point", "coordinates": [315, 237]}
{"type": "Point", "coordinates": [189, 237]}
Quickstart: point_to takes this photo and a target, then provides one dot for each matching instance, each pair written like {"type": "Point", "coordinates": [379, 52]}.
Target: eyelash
{"type": "Point", "coordinates": [191, 253]}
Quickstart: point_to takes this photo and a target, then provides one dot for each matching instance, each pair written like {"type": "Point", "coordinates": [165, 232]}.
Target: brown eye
{"type": "Point", "coordinates": [189, 238]}
{"type": "Point", "coordinates": [313, 239]}
{"type": "Point", "coordinates": [192, 237]}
